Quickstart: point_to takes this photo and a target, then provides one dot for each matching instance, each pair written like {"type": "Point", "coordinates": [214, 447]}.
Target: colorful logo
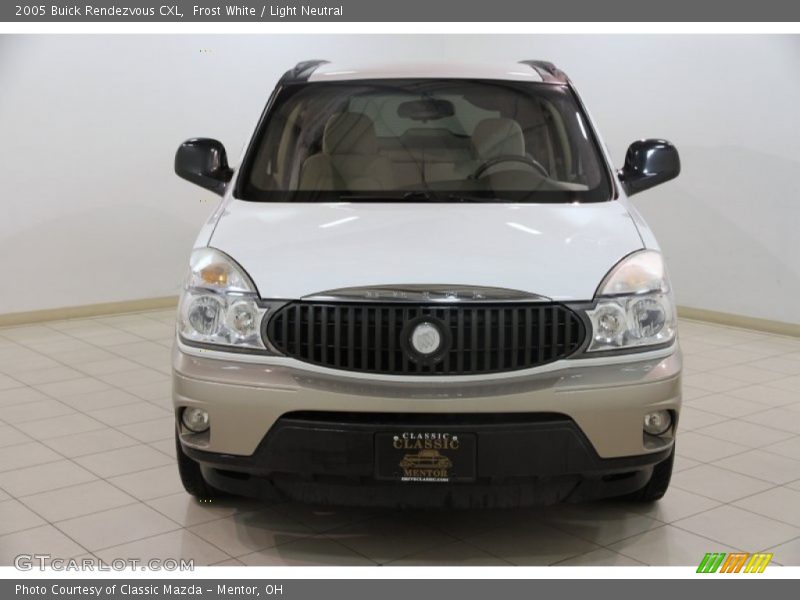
{"type": "Point", "coordinates": [735, 562]}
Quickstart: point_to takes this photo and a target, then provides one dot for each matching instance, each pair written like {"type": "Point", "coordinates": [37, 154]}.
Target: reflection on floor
{"type": "Point", "coordinates": [87, 468]}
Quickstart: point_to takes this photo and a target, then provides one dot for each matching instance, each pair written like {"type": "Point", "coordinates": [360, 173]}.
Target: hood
{"type": "Point", "coordinates": [291, 250]}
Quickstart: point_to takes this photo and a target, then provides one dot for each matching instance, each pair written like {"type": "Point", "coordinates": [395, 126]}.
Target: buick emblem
{"type": "Point", "coordinates": [426, 338]}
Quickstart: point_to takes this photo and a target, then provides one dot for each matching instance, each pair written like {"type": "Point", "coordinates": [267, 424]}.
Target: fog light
{"type": "Point", "coordinates": [195, 419]}
{"type": "Point", "coordinates": [657, 423]}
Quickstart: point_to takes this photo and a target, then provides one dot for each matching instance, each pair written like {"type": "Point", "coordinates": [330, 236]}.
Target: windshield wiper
{"type": "Point", "coordinates": [406, 196]}
{"type": "Point", "coordinates": [477, 199]}
{"type": "Point", "coordinates": [416, 196]}
{"type": "Point", "coordinates": [421, 196]}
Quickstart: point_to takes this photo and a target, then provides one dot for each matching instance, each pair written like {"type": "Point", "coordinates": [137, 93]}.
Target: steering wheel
{"type": "Point", "coordinates": [518, 158]}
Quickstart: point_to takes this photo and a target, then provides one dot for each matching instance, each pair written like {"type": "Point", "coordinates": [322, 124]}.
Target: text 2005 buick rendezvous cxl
{"type": "Point", "coordinates": [425, 285]}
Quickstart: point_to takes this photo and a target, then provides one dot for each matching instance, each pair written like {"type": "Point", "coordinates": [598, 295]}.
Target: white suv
{"type": "Point", "coordinates": [425, 285]}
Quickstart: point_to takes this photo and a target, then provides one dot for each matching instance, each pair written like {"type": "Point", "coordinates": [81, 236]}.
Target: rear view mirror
{"type": "Point", "coordinates": [426, 110]}
{"type": "Point", "coordinates": [203, 162]}
{"type": "Point", "coordinates": [649, 163]}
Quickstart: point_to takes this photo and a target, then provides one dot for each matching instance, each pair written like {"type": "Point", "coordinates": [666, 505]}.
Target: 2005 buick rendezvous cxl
{"type": "Point", "coordinates": [425, 286]}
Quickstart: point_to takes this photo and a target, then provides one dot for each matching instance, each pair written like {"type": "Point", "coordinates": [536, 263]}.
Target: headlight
{"type": "Point", "coordinates": [220, 303]}
{"type": "Point", "coordinates": [634, 305]}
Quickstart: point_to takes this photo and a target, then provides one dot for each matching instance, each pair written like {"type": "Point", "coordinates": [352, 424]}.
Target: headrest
{"type": "Point", "coordinates": [496, 137]}
{"type": "Point", "coordinates": [349, 133]}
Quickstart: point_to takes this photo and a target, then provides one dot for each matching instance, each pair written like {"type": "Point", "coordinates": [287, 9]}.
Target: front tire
{"type": "Point", "coordinates": [659, 481]}
{"type": "Point", "coordinates": [191, 475]}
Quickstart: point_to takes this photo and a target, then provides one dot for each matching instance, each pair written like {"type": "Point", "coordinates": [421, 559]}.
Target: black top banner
{"type": "Point", "coordinates": [401, 11]}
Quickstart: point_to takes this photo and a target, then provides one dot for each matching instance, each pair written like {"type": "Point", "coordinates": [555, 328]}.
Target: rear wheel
{"type": "Point", "coordinates": [191, 476]}
{"type": "Point", "coordinates": [659, 481]}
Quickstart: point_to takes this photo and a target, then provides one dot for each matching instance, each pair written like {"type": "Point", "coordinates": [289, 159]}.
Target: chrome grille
{"type": "Point", "coordinates": [372, 337]}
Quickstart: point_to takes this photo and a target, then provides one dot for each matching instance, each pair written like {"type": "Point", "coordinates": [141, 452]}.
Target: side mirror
{"type": "Point", "coordinates": [203, 161]}
{"type": "Point", "coordinates": [649, 163]}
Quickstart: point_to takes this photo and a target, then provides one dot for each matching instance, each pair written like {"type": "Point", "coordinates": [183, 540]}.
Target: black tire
{"type": "Point", "coordinates": [191, 476]}
{"type": "Point", "coordinates": [659, 481]}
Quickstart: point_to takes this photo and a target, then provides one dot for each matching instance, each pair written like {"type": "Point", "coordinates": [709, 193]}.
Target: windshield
{"type": "Point", "coordinates": [424, 140]}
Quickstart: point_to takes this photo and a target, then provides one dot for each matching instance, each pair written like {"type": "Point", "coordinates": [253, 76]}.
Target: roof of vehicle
{"type": "Point", "coordinates": [525, 70]}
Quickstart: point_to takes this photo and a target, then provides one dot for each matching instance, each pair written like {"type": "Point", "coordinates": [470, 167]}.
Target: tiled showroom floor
{"type": "Point", "coordinates": [87, 467]}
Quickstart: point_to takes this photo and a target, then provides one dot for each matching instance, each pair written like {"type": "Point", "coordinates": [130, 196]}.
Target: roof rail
{"type": "Point", "coordinates": [302, 70]}
{"type": "Point", "coordinates": [547, 71]}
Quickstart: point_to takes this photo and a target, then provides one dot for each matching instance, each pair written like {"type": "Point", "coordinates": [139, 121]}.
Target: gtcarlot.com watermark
{"type": "Point", "coordinates": [29, 562]}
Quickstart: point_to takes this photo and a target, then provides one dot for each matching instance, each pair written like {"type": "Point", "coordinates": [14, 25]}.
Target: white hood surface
{"type": "Point", "coordinates": [291, 250]}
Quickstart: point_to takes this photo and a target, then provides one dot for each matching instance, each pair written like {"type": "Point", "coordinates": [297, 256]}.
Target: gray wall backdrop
{"type": "Point", "coordinates": [93, 213]}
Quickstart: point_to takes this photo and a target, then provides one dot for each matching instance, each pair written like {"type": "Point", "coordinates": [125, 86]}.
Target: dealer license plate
{"type": "Point", "coordinates": [425, 456]}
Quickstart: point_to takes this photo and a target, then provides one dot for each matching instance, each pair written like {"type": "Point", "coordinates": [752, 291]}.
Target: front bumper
{"type": "Point", "coordinates": [574, 431]}
{"type": "Point", "coordinates": [520, 460]}
{"type": "Point", "coordinates": [606, 401]}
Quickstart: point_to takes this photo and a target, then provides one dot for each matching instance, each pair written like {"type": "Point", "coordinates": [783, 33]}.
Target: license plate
{"type": "Point", "coordinates": [425, 456]}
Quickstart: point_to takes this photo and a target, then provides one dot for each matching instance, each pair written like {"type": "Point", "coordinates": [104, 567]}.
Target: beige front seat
{"type": "Point", "coordinates": [498, 137]}
{"type": "Point", "coordinates": [349, 160]}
